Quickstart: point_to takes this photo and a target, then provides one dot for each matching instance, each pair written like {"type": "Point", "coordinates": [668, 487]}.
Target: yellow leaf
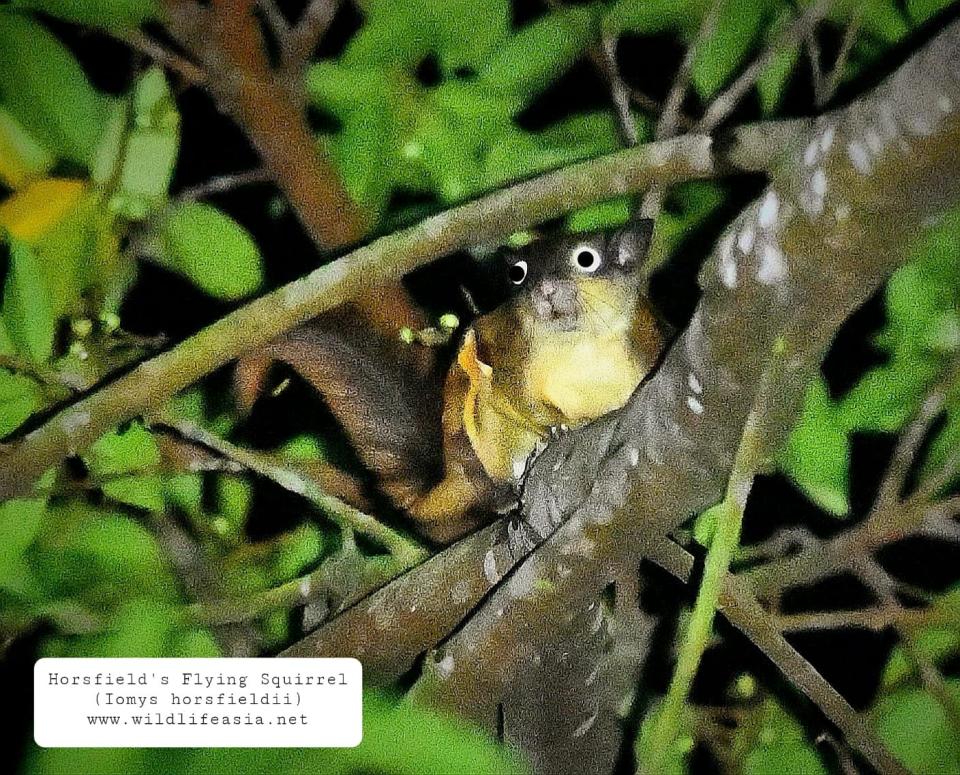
{"type": "Point", "coordinates": [34, 211]}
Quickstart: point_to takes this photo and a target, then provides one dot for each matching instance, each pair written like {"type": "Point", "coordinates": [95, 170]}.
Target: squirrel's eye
{"type": "Point", "coordinates": [586, 259]}
{"type": "Point", "coordinates": [517, 272]}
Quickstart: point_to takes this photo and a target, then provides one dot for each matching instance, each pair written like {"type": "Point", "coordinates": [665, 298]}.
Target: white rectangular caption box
{"type": "Point", "coordinates": [198, 703]}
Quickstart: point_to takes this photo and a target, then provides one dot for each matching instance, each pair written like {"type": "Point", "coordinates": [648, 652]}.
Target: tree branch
{"type": "Point", "coordinates": [726, 101]}
{"type": "Point", "coordinates": [309, 31]}
{"type": "Point", "coordinates": [829, 229]}
{"type": "Point", "coordinates": [405, 551]}
{"type": "Point", "coordinates": [890, 519]}
{"type": "Point", "coordinates": [227, 40]}
{"type": "Point", "coordinates": [488, 219]}
{"type": "Point", "coordinates": [744, 612]}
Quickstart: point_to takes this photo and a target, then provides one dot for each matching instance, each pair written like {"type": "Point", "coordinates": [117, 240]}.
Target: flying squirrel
{"type": "Point", "coordinates": [572, 342]}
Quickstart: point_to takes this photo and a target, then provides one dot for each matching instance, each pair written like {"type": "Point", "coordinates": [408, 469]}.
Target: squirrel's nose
{"type": "Point", "coordinates": [548, 287]}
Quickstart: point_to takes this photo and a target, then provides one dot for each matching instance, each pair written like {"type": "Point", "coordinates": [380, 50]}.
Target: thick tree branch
{"type": "Point", "coordinates": [488, 219]}
{"type": "Point", "coordinates": [227, 40]}
{"type": "Point", "coordinates": [834, 223]}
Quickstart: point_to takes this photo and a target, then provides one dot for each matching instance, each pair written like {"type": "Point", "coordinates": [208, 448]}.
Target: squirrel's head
{"type": "Point", "coordinates": [580, 282]}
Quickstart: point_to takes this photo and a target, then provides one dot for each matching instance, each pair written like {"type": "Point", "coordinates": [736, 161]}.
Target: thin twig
{"type": "Point", "coordinates": [197, 574]}
{"type": "Point", "coordinates": [832, 83]}
{"type": "Point", "coordinates": [376, 572]}
{"type": "Point", "coordinates": [276, 22]}
{"type": "Point", "coordinates": [221, 184]}
{"type": "Point", "coordinates": [619, 92]}
{"type": "Point", "coordinates": [905, 453]}
{"type": "Point", "coordinates": [604, 61]}
{"type": "Point", "coordinates": [890, 519]}
{"type": "Point", "coordinates": [56, 386]}
{"type": "Point", "coordinates": [746, 614]}
{"type": "Point", "coordinates": [669, 122]}
{"type": "Point", "coordinates": [164, 57]}
{"type": "Point", "coordinates": [787, 541]}
{"type": "Point", "coordinates": [309, 31]}
{"type": "Point", "coordinates": [669, 118]}
{"type": "Point", "coordinates": [932, 680]}
{"type": "Point", "coordinates": [402, 548]}
{"type": "Point", "coordinates": [724, 104]}
{"type": "Point", "coordinates": [648, 104]}
{"type": "Point", "coordinates": [742, 609]}
{"type": "Point", "coordinates": [723, 545]}
{"type": "Point", "coordinates": [816, 66]}
{"type": "Point", "coordinates": [226, 38]}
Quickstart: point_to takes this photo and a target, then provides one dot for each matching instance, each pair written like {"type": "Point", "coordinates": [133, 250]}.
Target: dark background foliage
{"type": "Point", "coordinates": [171, 304]}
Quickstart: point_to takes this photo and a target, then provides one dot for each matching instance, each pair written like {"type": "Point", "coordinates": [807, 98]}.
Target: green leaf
{"type": "Point", "coordinates": [61, 223]}
{"type": "Point", "coordinates": [297, 551]}
{"type": "Point", "coordinates": [539, 53]}
{"type": "Point", "coordinates": [342, 89]}
{"type": "Point", "coordinates": [22, 157]}
{"type": "Point", "coordinates": [19, 522]}
{"type": "Point", "coordinates": [517, 155]}
{"type": "Point", "coordinates": [393, 35]}
{"type": "Point", "coordinates": [144, 491]}
{"type": "Point", "coordinates": [695, 200]}
{"type": "Point", "coordinates": [923, 316]}
{"type": "Point", "coordinates": [20, 397]}
{"type": "Point", "coordinates": [234, 495]}
{"type": "Point", "coordinates": [918, 731]}
{"type": "Point", "coordinates": [468, 31]}
{"type": "Point", "coordinates": [304, 447]}
{"type": "Point", "coordinates": [816, 455]}
{"type": "Point", "coordinates": [915, 297]}
{"type": "Point", "coordinates": [602, 215]}
{"type": "Point", "coordinates": [28, 309]}
{"type": "Point", "coordinates": [123, 452]}
{"type": "Point", "coordinates": [933, 643]}
{"type": "Point", "coordinates": [274, 629]}
{"type": "Point", "coordinates": [364, 154]}
{"type": "Point", "coordinates": [946, 442]}
{"type": "Point", "coordinates": [477, 114]}
{"type": "Point", "coordinates": [921, 10]}
{"type": "Point", "coordinates": [139, 628]}
{"type": "Point", "coordinates": [649, 17]}
{"type": "Point", "coordinates": [881, 18]}
{"type": "Point", "coordinates": [782, 747]}
{"type": "Point", "coordinates": [42, 85]}
{"type": "Point", "coordinates": [737, 28]}
{"type": "Point", "coordinates": [210, 249]}
{"type": "Point", "coordinates": [185, 492]}
{"type": "Point", "coordinates": [453, 169]}
{"type": "Point", "coordinates": [589, 134]}
{"type": "Point", "coordinates": [775, 76]}
{"type": "Point", "coordinates": [193, 643]}
{"type": "Point", "coordinates": [462, 33]}
{"type": "Point", "coordinates": [110, 14]}
{"type": "Point", "coordinates": [137, 162]}
{"type": "Point", "coordinates": [886, 397]}
{"type": "Point", "coordinates": [398, 738]}
{"type": "Point", "coordinates": [98, 556]}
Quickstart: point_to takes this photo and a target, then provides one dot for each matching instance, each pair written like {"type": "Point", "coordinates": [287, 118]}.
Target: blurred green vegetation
{"type": "Point", "coordinates": [85, 198]}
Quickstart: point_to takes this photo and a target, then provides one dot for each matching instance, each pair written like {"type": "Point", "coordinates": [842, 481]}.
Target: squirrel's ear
{"type": "Point", "coordinates": [629, 245]}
